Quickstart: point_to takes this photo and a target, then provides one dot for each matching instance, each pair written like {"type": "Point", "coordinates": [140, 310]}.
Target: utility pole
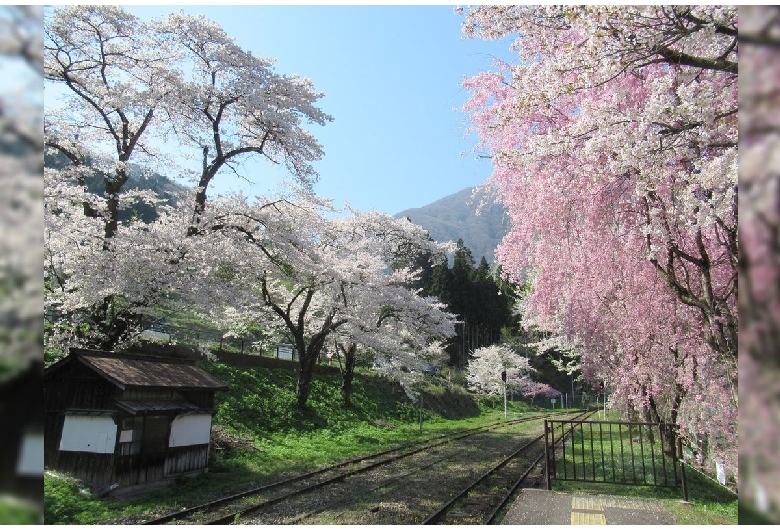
{"type": "Point", "coordinates": [503, 378]}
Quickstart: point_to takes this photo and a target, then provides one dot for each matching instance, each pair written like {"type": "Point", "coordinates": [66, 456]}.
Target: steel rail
{"type": "Point", "coordinates": [438, 515]}
{"type": "Point", "coordinates": [492, 471]}
{"type": "Point", "coordinates": [343, 500]}
{"type": "Point", "coordinates": [406, 450]}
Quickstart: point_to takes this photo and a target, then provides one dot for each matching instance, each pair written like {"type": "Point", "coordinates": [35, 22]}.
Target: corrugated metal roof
{"type": "Point", "coordinates": [141, 371]}
{"type": "Point", "coordinates": [145, 405]}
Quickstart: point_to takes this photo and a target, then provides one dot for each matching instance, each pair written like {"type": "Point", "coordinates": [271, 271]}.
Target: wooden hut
{"type": "Point", "coordinates": [116, 419]}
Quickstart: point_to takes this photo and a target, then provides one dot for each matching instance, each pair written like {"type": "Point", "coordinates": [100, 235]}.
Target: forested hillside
{"type": "Point", "coordinates": [455, 217]}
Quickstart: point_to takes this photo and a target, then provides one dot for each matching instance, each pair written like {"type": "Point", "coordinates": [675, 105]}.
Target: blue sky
{"type": "Point", "coordinates": [391, 77]}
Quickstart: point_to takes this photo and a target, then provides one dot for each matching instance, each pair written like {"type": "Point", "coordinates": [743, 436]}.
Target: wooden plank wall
{"type": "Point", "coordinates": [186, 459]}
{"type": "Point", "coordinates": [93, 468]}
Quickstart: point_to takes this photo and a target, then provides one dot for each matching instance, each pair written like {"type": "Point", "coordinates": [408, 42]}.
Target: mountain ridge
{"type": "Point", "coordinates": [450, 218]}
{"type": "Point", "coordinates": [455, 217]}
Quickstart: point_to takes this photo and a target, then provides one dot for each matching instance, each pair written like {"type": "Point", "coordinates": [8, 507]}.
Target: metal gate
{"type": "Point", "coordinates": [614, 452]}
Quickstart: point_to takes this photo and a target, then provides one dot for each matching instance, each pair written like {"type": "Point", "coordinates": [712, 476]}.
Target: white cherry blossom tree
{"type": "Point", "coordinates": [313, 278]}
{"type": "Point", "coordinates": [488, 363]}
{"type": "Point", "coordinates": [230, 104]}
{"type": "Point", "coordinates": [137, 94]}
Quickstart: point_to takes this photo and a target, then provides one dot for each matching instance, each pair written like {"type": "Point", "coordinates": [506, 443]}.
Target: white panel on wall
{"type": "Point", "coordinates": [30, 462]}
{"type": "Point", "coordinates": [89, 434]}
{"type": "Point", "coordinates": [192, 429]}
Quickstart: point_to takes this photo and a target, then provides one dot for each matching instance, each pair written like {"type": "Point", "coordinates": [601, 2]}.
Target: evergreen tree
{"type": "Point", "coordinates": [481, 299]}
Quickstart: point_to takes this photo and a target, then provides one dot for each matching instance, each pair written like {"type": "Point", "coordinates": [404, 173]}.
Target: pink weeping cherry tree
{"type": "Point", "coordinates": [613, 138]}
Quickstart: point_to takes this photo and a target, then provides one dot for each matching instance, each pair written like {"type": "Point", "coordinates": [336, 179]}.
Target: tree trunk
{"type": "Point", "coordinates": [650, 416]}
{"type": "Point", "coordinates": [111, 327]}
{"type": "Point", "coordinates": [308, 357]}
{"type": "Point", "coordinates": [346, 390]}
{"type": "Point", "coordinates": [348, 373]}
{"type": "Point", "coordinates": [113, 187]}
{"type": "Point", "coordinates": [669, 434]}
{"type": "Point", "coordinates": [303, 386]}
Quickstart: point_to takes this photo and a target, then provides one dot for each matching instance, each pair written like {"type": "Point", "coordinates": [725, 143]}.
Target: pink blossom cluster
{"type": "Point", "coordinates": [534, 388]}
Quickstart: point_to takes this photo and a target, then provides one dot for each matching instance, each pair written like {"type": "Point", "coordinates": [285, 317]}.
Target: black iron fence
{"type": "Point", "coordinates": [629, 453]}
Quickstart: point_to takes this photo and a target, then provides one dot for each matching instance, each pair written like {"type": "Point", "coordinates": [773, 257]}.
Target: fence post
{"type": "Point", "coordinates": [547, 457]}
{"type": "Point", "coordinates": [682, 469]}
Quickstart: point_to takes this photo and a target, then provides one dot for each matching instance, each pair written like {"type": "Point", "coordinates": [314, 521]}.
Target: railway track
{"type": "Point", "coordinates": [485, 499]}
{"type": "Point", "coordinates": [354, 482]}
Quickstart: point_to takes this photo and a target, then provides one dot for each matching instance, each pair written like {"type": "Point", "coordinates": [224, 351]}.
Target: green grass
{"type": "Point", "coordinates": [611, 453]}
{"type": "Point", "coordinates": [67, 502]}
{"type": "Point", "coordinates": [709, 502]}
{"type": "Point", "coordinates": [13, 512]}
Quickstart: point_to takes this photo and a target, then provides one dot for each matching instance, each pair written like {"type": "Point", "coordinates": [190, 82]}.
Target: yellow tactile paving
{"type": "Point", "coordinates": [587, 518]}
{"type": "Point", "coordinates": [587, 510]}
{"type": "Point", "coordinates": [586, 503]}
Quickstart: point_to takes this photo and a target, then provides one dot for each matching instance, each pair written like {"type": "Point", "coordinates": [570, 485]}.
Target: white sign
{"type": "Point", "coordinates": [193, 429]}
{"type": "Point", "coordinates": [553, 401]}
{"type": "Point", "coordinates": [30, 461]}
{"type": "Point", "coordinates": [88, 434]}
{"type": "Point", "coordinates": [285, 351]}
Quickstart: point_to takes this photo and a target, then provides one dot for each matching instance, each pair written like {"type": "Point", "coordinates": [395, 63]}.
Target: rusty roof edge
{"type": "Point", "coordinates": [101, 372]}
{"type": "Point", "coordinates": [175, 387]}
{"type": "Point", "coordinates": [84, 355]}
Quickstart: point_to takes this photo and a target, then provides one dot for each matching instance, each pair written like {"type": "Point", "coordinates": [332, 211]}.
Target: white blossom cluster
{"type": "Point", "coordinates": [487, 364]}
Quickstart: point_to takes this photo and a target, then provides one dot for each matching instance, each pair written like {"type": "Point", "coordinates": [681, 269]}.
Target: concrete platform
{"type": "Point", "coordinates": [542, 507]}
